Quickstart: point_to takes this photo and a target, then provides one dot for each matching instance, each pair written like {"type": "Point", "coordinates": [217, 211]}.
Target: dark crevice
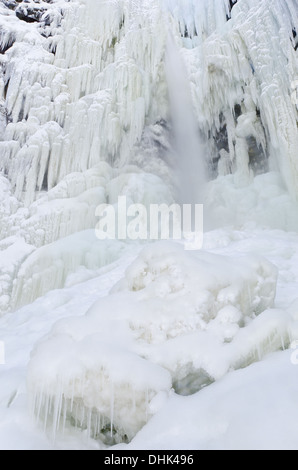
{"type": "Point", "coordinates": [258, 160]}
{"type": "Point", "coordinates": [221, 141]}
{"type": "Point", "coordinates": [47, 20]}
{"type": "Point", "coordinates": [185, 33]}
{"type": "Point", "coordinates": [295, 39]}
{"type": "Point", "coordinates": [221, 138]}
{"type": "Point", "coordinates": [163, 123]}
{"type": "Point", "coordinates": [44, 186]}
{"type": "Point", "coordinates": [237, 111]}
{"type": "Point", "coordinates": [5, 89]}
{"type": "Point", "coordinates": [232, 3]}
{"type": "Point", "coordinates": [122, 22]}
{"type": "Point", "coordinates": [258, 157]}
{"type": "Point", "coordinates": [11, 4]}
{"type": "Point", "coordinates": [21, 113]}
{"type": "Point", "coordinates": [53, 49]}
{"type": "Point", "coordinates": [8, 118]}
{"type": "Point", "coordinates": [5, 46]}
{"type": "Point", "coordinates": [25, 17]}
{"type": "Point", "coordinates": [30, 13]}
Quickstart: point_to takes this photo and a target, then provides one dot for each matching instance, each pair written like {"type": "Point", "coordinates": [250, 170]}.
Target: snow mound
{"type": "Point", "coordinates": [262, 203]}
{"type": "Point", "coordinates": [49, 267]}
{"type": "Point", "coordinates": [164, 270]}
{"type": "Point", "coordinates": [251, 409]}
{"type": "Point", "coordinates": [175, 320]}
{"type": "Point", "coordinates": [95, 385]}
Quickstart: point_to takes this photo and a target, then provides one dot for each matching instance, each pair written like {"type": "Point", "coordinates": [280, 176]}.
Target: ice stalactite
{"type": "Point", "coordinates": [54, 222]}
{"type": "Point", "coordinates": [241, 81]}
{"type": "Point", "coordinates": [87, 100]}
{"type": "Point", "coordinates": [83, 396]}
{"type": "Point", "coordinates": [80, 96]}
{"type": "Point", "coordinates": [92, 76]}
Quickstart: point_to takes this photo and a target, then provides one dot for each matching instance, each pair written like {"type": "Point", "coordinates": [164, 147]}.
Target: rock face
{"type": "Point", "coordinates": [30, 15]}
{"type": "Point", "coordinates": [27, 11]}
{"type": "Point", "coordinates": [30, 11]}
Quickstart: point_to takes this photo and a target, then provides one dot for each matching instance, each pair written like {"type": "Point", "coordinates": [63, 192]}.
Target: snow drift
{"type": "Point", "coordinates": [175, 320]}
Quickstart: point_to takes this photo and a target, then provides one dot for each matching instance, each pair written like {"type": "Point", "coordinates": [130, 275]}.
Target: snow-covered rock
{"type": "Point", "coordinates": [175, 320]}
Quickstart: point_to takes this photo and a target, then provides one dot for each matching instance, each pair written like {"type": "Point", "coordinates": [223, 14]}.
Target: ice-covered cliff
{"type": "Point", "coordinates": [156, 100]}
{"type": "Point", "coordinates": [86, 114]}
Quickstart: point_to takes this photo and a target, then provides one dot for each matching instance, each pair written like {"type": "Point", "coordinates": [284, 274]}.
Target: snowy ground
{"type": "Point", "coordinates": [251, 408]}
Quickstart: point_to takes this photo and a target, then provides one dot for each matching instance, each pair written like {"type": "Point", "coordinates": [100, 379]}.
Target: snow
{"type": "Point", "coordinates": [95, 311]}
{"type": "Point", "coordinates": [248, 410]}
{"type": "Point", "coordinates": [121, 344]}
{"type": "Point", "coordinates": [92, 98]}
{"type": "Point", "coordinates": [263, 203]}
{"type": "Point", "coordinates": [170, 310]}
{"type": "Point", "coordinates": [58, 229]}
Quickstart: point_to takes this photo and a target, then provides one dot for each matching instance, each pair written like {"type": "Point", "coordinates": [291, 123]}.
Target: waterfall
{"type": "Point", "coordinates": [137, 104]}
{"type": "Point", "coordinates": [190, 154]}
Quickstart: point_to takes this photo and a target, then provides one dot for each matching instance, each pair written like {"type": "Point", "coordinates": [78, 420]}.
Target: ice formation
{"type": "Point", "coordinates": [84, 84]}
{"type": "Point", "coordinates": [175, 320]}
{"type": "Point", "coordinates": [88, 112]}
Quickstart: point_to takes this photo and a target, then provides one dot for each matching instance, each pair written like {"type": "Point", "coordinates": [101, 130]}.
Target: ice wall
{"type": "Point", "coordinates": [92, 76]}
{"type": "Point", "coordinates": [83, 93]}
{"type": "Point", "coordinates": [245, 97]}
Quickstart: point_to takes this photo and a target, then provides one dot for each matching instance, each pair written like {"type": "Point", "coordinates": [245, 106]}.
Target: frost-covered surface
{"type": "Point", "coordinates": [242, 412]}
{"type": "Point", "coordinates": [85, 94]}
{"type": "Point", "coordinates": [211, 420]}
{"type": "Point", "coordinates": [90, 94]}
{"type": "Point", "coordinates": [171, 310]}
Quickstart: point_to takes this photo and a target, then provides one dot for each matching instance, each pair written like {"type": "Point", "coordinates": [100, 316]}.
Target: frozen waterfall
{"type": "Point", "coordinates": [85, 102]}
{"type": "Point", "coordinates": [161, 101]}
{"type": "Point", "coordinates": [189, 151]}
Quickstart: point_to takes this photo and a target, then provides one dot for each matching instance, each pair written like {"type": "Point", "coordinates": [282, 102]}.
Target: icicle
{"type": "Point", "coordinates": [112, 404]}
{"type": "Point", "coordinates": [89, 423]}
{"type": "Point", "coordinates": [282, 342]}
